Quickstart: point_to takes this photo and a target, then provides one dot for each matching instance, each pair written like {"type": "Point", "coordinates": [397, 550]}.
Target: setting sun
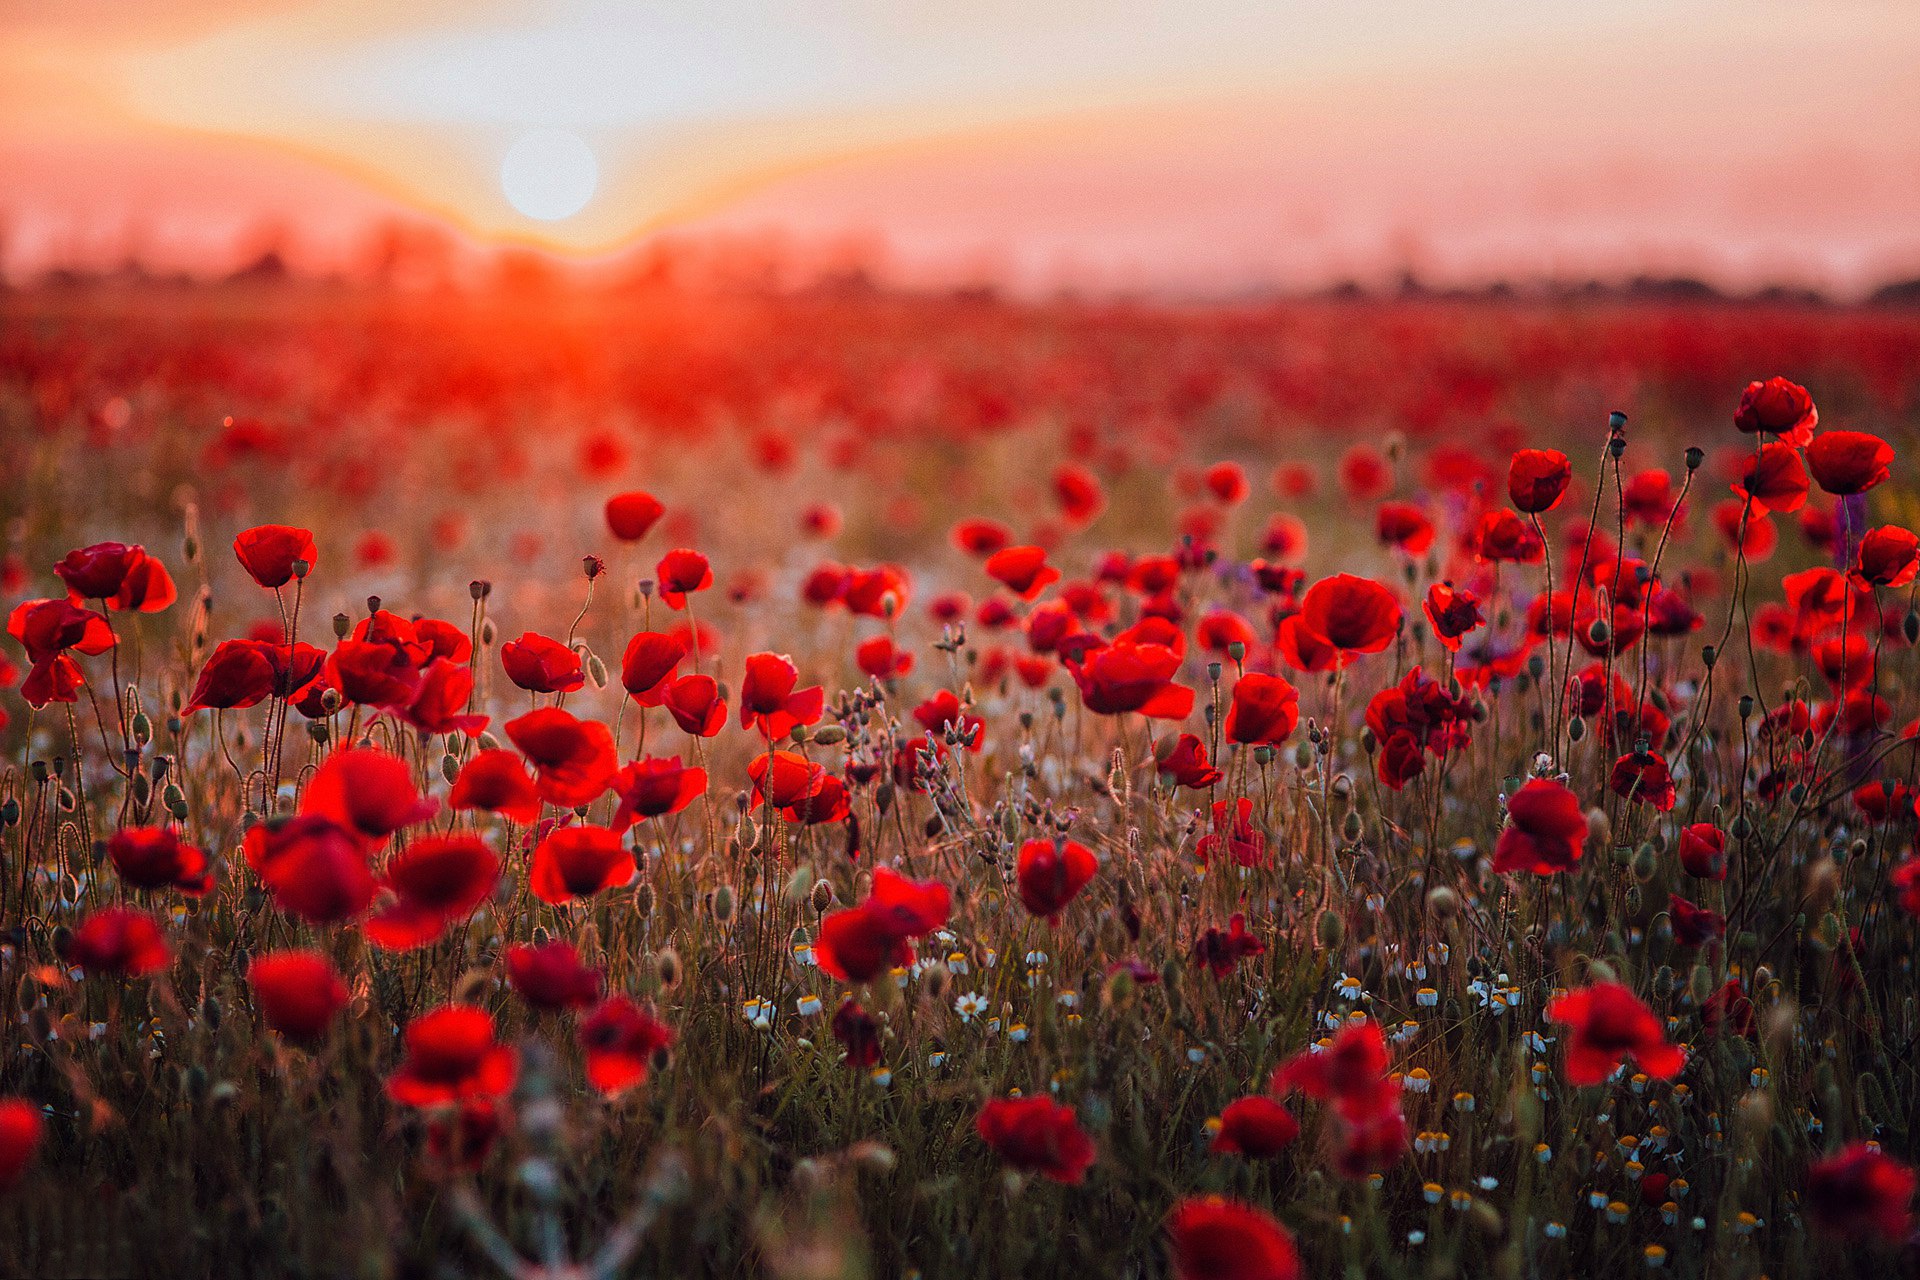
{"type": "Point", "coordinates": [549, 174]}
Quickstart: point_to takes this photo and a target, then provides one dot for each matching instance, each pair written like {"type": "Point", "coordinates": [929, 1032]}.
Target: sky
{"type": "Point", "coordinates": [1208, 146]}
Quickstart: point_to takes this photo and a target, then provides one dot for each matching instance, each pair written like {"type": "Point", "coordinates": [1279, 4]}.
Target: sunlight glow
{"type": "Point", "coordinates": [549, 174]}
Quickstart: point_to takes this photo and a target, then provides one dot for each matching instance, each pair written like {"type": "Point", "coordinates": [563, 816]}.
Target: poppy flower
{"type": "Point", "coordinates": [435, 880]}
{"type": "Point", "coordinates": [451, 1055]}
{"type": "Point", "coordinates": [1124, 676]}
{"type": "Point", "coordinates": [649, 662]}
{"type": "Point", "coordinates": [1545, 832]}
{"type": "Point", "coordinates": [1037, 1135]}
{"type": "Point", "coordinates": [878, 657]}
{"type": "Point", "coordinates": [1080, 495]}
{"type": "Point", "coordinates": [1452, 612]}
{"type": "Point", "coordinates": [1537, 479]}
{"type": "Point", "coordinates": [654, 787]}
{"type": "Point", "coordinates": [552, 976]}
{"type": "Point", "coordinates": [1185, 761]}
{"type": "Point", "coordinates": [1860, 1191]}
{"type": "Point", "coordinates": [236, 675]}
{"type": "Point", "coordinates": [1233, 835]}
{"type": "Point", "coordinates": [1222, 950]}
{"type": "Point", "coordinates": [1255, 1126]}
{"type": "Point", "coordinates": [1888, 557]}
{"type": "Point", "coordinates": [573, 760]}
{"type": "Point", "coordinates": [1351, 1073]}
{"type": "Point", "coordinates": [157, 858]}
{"type": "Point", "coordinates": [47, 630]}
{"type": "Point", "coordinates": [1227, 482]}
{"type": "Point", "coordinates": [267, 552]}
{"type": "Point", "coordinates": [785, 778]}
{"type": "Point", "coordinates": [620, 1039]}
{"type": "Point", "coordinates": [1703, 851]}
{"type": "Point", "coordinates": [769, 701]}
{"type": "Point", "coordinates": [1608, 1023]}
{"type": "Point", "coordinates": [373, 673]}
{"type": "Point", "coordinates": [119, 941]}
{"type": "Point", "coordinates": [541, 664]}
{"type": "Point", "coordinates": [1364, 473]}
{"type": "Point", "coordinates": [439, 703]}
{"type": "Point", "coordinates": [1728, 1010]}
{"type": "Point", "coordinates": [858, 1032]}
{"type": "Point", "coordinates": [120, 576]}
{"type": "Point", "coordinates": [978, 536]}
{"type": "Point", "coordinates": [1648, 497]}
{"type": "Point", "coordinates": [880, 592]}
{"type": "Point", "coordinates": [1403, 525]}
{"type": "Point", "coordinates": [1845, 462]}
{"type": "Point", "coordinates": [1214, 1238]}
{"type": "Point", "coordinates": [1777, 407]}
{"type": "Point", "coordinates": [300, 993]}
{"type": "Point", "coordinates": [696, 705]}
{"type": "Point", "coordinates": [22, 1127]}
{"type": "Point", "coordinates": [1022, 570]}
{"type": "Point", "coordinates": [495, 781]}
{"type": "Point", "coordinates": [1349, 615]}
{"type": "Point", "coordinates": [1051, 873]}
{"type": "Point", "coordinates": [857, 943]}
{"type": "Point", "coordinates": [680, 573]}
{"type": "Point", "coordinates": [315, 868]}
{"type": "Point", "coordinates": [1501, 535]}
{"type": "Point", "coordinates": [368, 792]}
{"type": "Point", "coordinates": [1693, 925]}
{"type": "Point", "coordinates": [1644, 779]}
{"type": "Point", "coordinates": [1775, 479]}
{"type": "Point", "coordinates": [1264, 710]}
{"type": "Point", "coordinates": [578, 862]}
{"type": "Point", "coordinates": [630, 515]}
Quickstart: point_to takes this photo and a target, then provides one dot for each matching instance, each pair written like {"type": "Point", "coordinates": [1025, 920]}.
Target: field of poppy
{"type": "Point", "coordinates": [865, 784]}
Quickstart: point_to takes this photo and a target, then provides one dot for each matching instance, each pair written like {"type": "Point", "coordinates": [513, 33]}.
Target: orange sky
{"type": "Point", "coordinates": [1213, 145]}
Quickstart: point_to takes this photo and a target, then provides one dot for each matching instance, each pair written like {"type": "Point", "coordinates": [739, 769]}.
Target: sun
{"type": "Point", "coordinates": [549, 174]}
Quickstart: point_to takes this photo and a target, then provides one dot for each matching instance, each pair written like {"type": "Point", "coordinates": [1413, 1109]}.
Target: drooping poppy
{"type": "Point", "coordinates": [695, 704]}
{"type": "Point", "coordinates": [1537, 479]}
{"type": "Point", "coordinates": [1847, 462]}
{"type": "Point", "coordinates": [1452, 612]}
{"type": "Point", "coordinates": [1184, 759]}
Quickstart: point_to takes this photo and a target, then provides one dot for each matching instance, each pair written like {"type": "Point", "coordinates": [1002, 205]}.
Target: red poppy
{"type": "Point", "coordinates": [314, 868]}
{"type": "Point", "coordinates": [1125, 676]}
{"type": "Point", "coordinates": [768, 698]}
{"type": "Point", "coordinates": [1452, 612]}
{"type": "Point", "coordinates": [552, 976]}
{"type": "Point", "coordinates": [1403, 525]}
{"type": "Point", "coordinates": [1285, 538]}
{"type": "Point", "coordinates": [942, 714]}
{"type": "Point", "coordinates": [267, 552]}
{"type": "Point", "coordinates": [1861, 1191]}
{"type": "Point", "coordinates": [1502, 535]}
{"type": "Point", "coordinates": [1728, 1010]}
{"type": "Point", "coordinates": [435, 880]}
{"type": "Point", "coordinates": [1703, 851]}
{"type": "Point", "coordinates": [1351, 1073]}
{"type": "Point", "coordinates": [696, 705]}
{"type": "Point", "coordinates": [1081, 498]}
{"type": "Point", "coordinates": [47, 629]}
{"type": "Point", "coordinates": [648, 664]}
{"type": "Point", "coordinates": [368, 792]}
{"type": "Point", "coordinates": [1037, 1135]}
{"type": "Point", "coordinates": [439, 703]}
{"type": "Point", "coordinates": [1184, 759]}
{"type": "Point", "coordinates": [1354, 615]}
{"type": "Point", "coordinates": [1255, 1126]}
{"type": "Point", "coordinates": [620, 1040]}
{"type": "Point", "coordinates": [1214, 1238]}
{"type": "Point", "coordinates": [978, 536]}
{"type": "Point", "coordinates": [1609, 1024]}
{"type": "Point", "coordinates": [157, 858]}
{"type": "Point", "coordinates": [1888, 557]}
{"type": "Point", "coordinates": [1648, 497]}
{"type": "Point", "coordinates": [1233, 835]}
{"type": "Point", "coordinates": [880, 592]}
{"type": "Point", "coordinates": [495, 781]}
{"type": "Point", "coordinates": [1845, 462]}
{"type": "Point", "coordinates": [630, 515]}
{"type": "Point", "coordinates": [451, 1055]}
{"type": "Point", "coordinates": [1022, 570]}
{"type": "Point", "coordinates": [300, 993]}
{"type": "Point", "coordinates": [1222, 950]}
{"type": "Point", "coordinates": [654, 787]}
{"type": "Point", "coordinates": [578, 862]}
{"type": "Point", "coordinates": [1775, 479]}
{"type": "Point", "coordinates": [1545, 832]}
{"type": "Point", "coordinates": [785, 778]}
{"type": "Point", "coordinates": [237, 674]}
{"type": "Point", "coordinates": [1264, 710]}
{"type": "Point", "coordinates": [373, 673]}
{"type": "Point", "coordinates": [857, 943]}
{"type": "Point", "coordinates": [682, 572]}
{"type": "Point", "coordinates": [858, 1032]}
{"type": "Point", "coordinates": [878, 657]}
{"type": "Point", "coordinates": [1537, 479]}
{"type": "Point", "coordinates": [1643, 778]}
{"type": "Point", "coordinates": [573, 760]}
{"type": "Point", "coordinates": [119, 941]}
{"type": "Point", "coordinates": [1364, 473]}
{"type": "Point", "coordinates": [120, 576]}
{"type": "Point", "coordinates": [1694, 925]}
{"type": "Point", "coordinates": [1051, 873]}
{"type": "Point", "coordinates": [21, 1129]}
{"type": "Point", "coordinates": [1778, 407]}
{"type": "Point", "coordinates": [541, 664]}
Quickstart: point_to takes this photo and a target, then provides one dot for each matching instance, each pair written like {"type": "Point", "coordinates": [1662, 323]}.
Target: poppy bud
{"type": "Point", "coordinates": [1644, 864]}
{"type": "Point", "coordinates": [1617, 446]}
{"type": "Point", "coordinates": [666, 966]}
{"type": "Point", "coordinates": [1707, 655]}
{"type": "Point", "coordinates": [1443, 902]}
{"type": "Point", "coordinates": [828, 735]}
{"type": "Point", "coordinates": [1911, 627]}
{"type": "Point", "coordinates": [487, 631]}
{"type": "Point", "coordinates": [479, 589]}
{"type": "Point", "coordinates": [1351, 828]}
{"type": "Point", "coordinates": [596, 670]}
{"type": "Point", "coordinates": [1695, 456]}
{"type": "Point", "coordinates": [822, 897]}
{"type": "Point", "coordinates": [449, 767]}
{"type": "Point", "coordinates": [1576, 729]}
{"type": "Point", "coordinates": [1741, 827]}
{"type": "Point", "coordinates": [301, 569]}
{"type": "Point", "coordinates": [1330, 929]}
{"type": "Point", "coordinates": [592, 566]}
{"type": "Point", "coordinates": [723, 903]}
